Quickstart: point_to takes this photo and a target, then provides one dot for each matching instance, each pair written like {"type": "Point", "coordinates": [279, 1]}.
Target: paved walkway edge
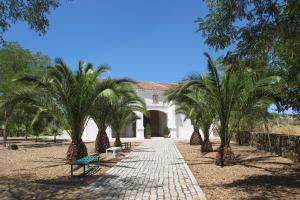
{"type": "Point", "coordinates": [192, 177]}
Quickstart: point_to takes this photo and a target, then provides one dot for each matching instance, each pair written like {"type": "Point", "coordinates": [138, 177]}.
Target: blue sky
{"type": "Point", "coordinates": [141, 39]}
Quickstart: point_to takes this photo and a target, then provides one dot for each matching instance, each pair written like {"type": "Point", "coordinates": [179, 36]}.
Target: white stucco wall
{"type": "Point", "coordinates": [90, 131]}
{"type": "Point", "coordinates": [184, 126]}
{"type": "Point", "coordinates": [179, 128]}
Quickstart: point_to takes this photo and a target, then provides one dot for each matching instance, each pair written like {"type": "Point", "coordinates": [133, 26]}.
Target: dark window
{"type": "Point", "coordinates": [155, 98]}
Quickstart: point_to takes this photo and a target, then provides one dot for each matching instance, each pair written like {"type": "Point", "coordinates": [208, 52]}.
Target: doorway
{"type": "Point", "coordinates": [157, 121]}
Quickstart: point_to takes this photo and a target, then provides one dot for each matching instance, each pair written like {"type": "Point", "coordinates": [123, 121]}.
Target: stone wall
{"type": "Point", "coordinates": [287, 146]}
{"type": "Point", "coordinates": [243, 138]}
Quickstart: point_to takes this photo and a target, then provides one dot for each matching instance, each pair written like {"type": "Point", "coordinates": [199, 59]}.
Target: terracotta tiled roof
{"type": "Point", "coordinates": [154, 86]}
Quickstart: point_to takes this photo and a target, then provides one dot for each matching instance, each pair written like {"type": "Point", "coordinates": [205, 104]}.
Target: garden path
{"type": "Point", "coordinates": [154, 170]}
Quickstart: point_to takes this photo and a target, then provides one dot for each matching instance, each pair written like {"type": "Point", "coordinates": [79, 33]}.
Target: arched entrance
{"type": "Point", "coordinates": [157, 121]}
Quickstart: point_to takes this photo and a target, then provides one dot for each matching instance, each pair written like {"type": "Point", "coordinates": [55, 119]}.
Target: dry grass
{"type": "Point", "coordinates": [23, 171]}
{"type": "Point", "coordinates": [286, 129]}
{"type": "Point", "coordinates": [257, 175]}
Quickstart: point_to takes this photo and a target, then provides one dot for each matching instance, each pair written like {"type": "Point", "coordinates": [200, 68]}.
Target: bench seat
{"type": "Point", "coordinates": [86, 162]}
{"type": "Point", "coordinates": [113, 150]}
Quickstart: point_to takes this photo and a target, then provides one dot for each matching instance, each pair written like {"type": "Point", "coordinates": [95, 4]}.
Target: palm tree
{"type": "Point", "coordinates": [122, 113]}
{"type": "Point", "coordinates": [183, 105]}
{"type": "Point", "coordinates": [75, 95]}
{"type": "Point", "coordinates": [204, 115]}
{"type": "Point", "coordinates": [102, 114]}
{"type": "Point", "coordinates": [229, 94]}
{"type": "Point", "coordinates": [195, 106]}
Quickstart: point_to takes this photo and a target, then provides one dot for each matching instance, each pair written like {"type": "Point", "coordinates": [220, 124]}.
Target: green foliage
{"type": "Point", "coordinates": [19, 120]}
{"type": "Point", "coordinates": [231, 96]}
{"type": "Point", "coordinates": [264, 34]}
{"type": "Point", "coordinates": [166, 130]}
{"type": "Point", "coordinates": [194, 104]}
{"type": "Point", "coordinates": [148, 129]}
{"type": "Point", "coordinates": [47, 122]}
{"type": "Point", "coordinates": [122, 110]}
{"type": "Point", "coordinates": [34, 13]}
{"type": "Point", "coordinates": [16, 61]}
{"type": "Point", "coordinates": [102, 113]}
{"type": "Point", "coordinates": [68, 97]}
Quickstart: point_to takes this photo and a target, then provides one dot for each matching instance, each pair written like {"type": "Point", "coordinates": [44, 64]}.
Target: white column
{"type": "Point", "coordinates": [172, 121]}
{"type": "Point", "coordinates": [140, 125]}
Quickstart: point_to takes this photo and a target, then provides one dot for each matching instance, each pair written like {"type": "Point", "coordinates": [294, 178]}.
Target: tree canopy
{"type": "Point", "coordinates": [16, 61]}
{"type": "Point", "coordinates": [263, 34]}
{"type": "Point", "coordinates": [33, 12]}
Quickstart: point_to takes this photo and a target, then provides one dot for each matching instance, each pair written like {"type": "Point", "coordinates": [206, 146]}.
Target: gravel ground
{"type": "Point", "coordinates": [257, 175]}
{"type": "Point", "coordinates": [23, 172]}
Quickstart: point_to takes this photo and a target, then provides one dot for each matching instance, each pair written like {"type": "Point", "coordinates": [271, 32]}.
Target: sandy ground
{"type": "Point", "coordinates": [24, 172]}
{"type": "Point", "coordinates": [257, 175]}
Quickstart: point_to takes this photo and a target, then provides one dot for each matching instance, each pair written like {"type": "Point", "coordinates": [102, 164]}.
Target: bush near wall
{"type": "Point", "coordinates": [287, 146]}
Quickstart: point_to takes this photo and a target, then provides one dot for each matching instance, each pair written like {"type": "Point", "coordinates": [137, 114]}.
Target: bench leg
{"type": "Point", "coordinates": [71, 170]}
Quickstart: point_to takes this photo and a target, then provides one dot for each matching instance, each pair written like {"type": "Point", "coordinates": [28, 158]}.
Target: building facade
{"type": "Point", "coordinates": [161, 114]}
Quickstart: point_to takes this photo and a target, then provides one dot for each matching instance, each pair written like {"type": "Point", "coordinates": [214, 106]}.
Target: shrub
{"type": "Point", "coordinates": [148, 129]}
{"type": "Point", "coordinates": [166, 131]}
{"type": "Point", "coordinates": [13, 147]}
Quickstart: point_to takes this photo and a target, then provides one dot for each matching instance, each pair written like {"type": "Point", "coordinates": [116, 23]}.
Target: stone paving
{"type": "Point", "coordinates": [154, 170]}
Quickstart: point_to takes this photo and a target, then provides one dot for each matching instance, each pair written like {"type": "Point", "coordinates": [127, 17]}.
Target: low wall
{"type": "Point", "coordinates": [287, 146]}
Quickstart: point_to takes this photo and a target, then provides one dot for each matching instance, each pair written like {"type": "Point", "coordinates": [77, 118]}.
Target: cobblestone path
{"type": "Point", "coordinates": [154, 170]}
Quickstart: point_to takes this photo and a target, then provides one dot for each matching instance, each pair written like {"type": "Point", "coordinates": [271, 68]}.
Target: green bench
{"type": "Point", "coordinates": [88, 163]}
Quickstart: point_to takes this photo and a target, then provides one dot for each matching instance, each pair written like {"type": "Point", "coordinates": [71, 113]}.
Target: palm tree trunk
{"type": "Point", "coordinates": [54, 140]}
{"type": "Point", "coordinates": [196, 138]}
{"type": "Point", "coordinates": [206, 145]}
{"type": "Point", "coordinates": [76, 150]}
{"type": "Point", "coordinates": [5, 129]}
{"type": "Point", "coordinates": [225, 155]}
{"type": "Point", "coordinates": [102, 141]}
{"type": "Point", "coordinates": [4, 136]}
{"type": "Point", "coordinates": [118, 142]}
{"type": "Point", "coordinates": [26, 134]}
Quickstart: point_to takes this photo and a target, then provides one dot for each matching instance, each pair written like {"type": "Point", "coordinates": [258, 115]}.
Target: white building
{"type": "Point", "coordinates": [161, 114]}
